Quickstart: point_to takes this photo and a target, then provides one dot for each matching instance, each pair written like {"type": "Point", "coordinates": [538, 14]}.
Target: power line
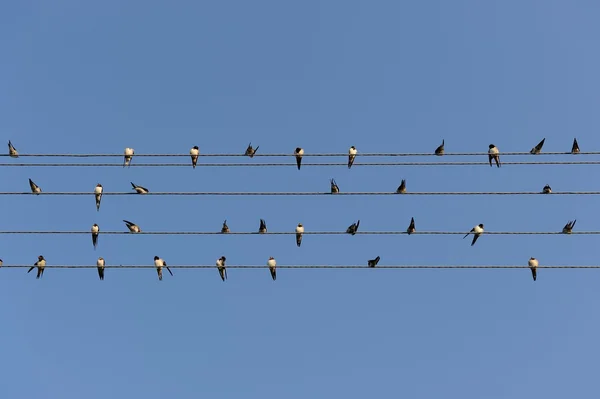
{"type": "Point", "coordinates": [305, 233]}
{"type": "Point", "coordinates": [313, 267]}
{"type": "Point", "coordinates": [315, 193]}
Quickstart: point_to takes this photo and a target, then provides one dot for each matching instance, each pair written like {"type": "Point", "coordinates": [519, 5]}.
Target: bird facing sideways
{"type": "Point", "coordinates": [440, 150]}
{"type": "Point", "coordinates": [334, 187]}
{"type": "Point", "coordinates": [139, 189]}
{"type": "Point", "coordinates": [40, 264]}
{"type": "Point", "coordinates": [538, 148]}
{"type": "Point", "coordinates": [402, 187]}
{"type": "Point", "coordinates": [353, 228]}
{"type": "Point", "coordinates": [12, 151]}
{"type": "Point", "coordinates": [133, 228]}
{"type": "Point", "coordinates": [35, 189]}
{"type": "Point", "coordinates": [477, 231]}
{"type": "Point", "coordinates": [221, 267]}
{"type": "Point", "coordinates": [374, 262]}
{"type": "Point", "coordinates": [160, 263]}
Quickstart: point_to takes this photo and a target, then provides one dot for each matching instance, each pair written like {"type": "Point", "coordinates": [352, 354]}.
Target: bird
{"type": "Point", "coordinates": [194, 152]}
{"type": "Point", "coordinates": [100, 266]}
{"type": "Point", "coordinates": [547, 189]}
{"type": "Point", "coordinates": [12, 151]}
{"type": "Point", "coordinates": [98, 195]}
{"type": "Point", "coordinates": [160, 263]}
{"type": "Point", "coordinates": [538, 148]}
{"type": "Point", "coordinates": [299, 232]}
{"type": "Point", "coordinates": [411, 228]}
{"type": "Point", "coordinates": [402, 187]}
{"type": "Point", "coordinates": [221, 267]}
{"type": "Point", "coordinates": [95, 232]}
{"type": "Point", "coordinates": [263, 227]}
{"type": "Point", "coordinates": [533, 264]}
{"type": "Point", "coordinates": [334, 187]}
{"type": "Point", "coordinates": [374, 262]}
{"type": "Point", "coordinates": [133, 228]}
{"type": "Point", "coordinates": [40, 264]}
{"type": "Point", "coordinates": [1, 262]}
{"type": "Point", "coordinates": [440, 150]}
{"type": "Point", "coordinates": [575, 148]}
{"type": "Point", "coordinates": [351, 155]}
{"type": "Point", "coordinates": [225, 228]}
{"type": "Point", "coordinates": [477, 231]}
{"type": "Point", "coordinates": [353, 228]}
{"type": "Point", "coordinates": [298, 153]}
{"type": "Point", "coordinates": [272, 267]}
{"type": "Point", "coordinates": [251, 151]}
{"type": "Point", "coordinates": [35, 189]}
{"type": "Point", "coordinates": [139, 189]}
{"type": "Point", "coordinates": [128, 156]}
{"type": "Point", "coordinates": [494, 153]}
{"type": "Point", "coordinates": [568, 229]}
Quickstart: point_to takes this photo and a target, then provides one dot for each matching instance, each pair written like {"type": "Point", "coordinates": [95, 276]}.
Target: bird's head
{"type": "Point", "coordinates": [195, 147]}
{"type": "Point", "coordinates": [491, 146]}
{"type": "Point", "coordinates": [40, 257]}
{"type": "Point", "coordinates": [156, 258]}
{"type": "Point", "coordinates": [481, 225]}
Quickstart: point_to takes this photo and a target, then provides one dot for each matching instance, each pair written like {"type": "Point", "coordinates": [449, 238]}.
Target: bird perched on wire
{"type": "Point", "coordinates": [139, 189]}
{"type": "Point", "coordinates": [533, 264]}
{"type": "Point", "coordinates": [351, 156]}
{"type": "Point", "coordinates": [251, 151]}
{"type": "Point", "coordinates": [98, 195]}
{"type": "Point", "coordinates": [568, 229]}
{"type": "Point", "coordinates": [133, 228]}
{"type": "Point", "coordinates": [353, 228]}
{"type": "Point", "coordinates": [477, 231]}
{"type": "Point", "coordinates": [299, 232]}
{"type": "Point", "coordinates": [411, 228]}
{"type": "Point", "coordinates": [334, 187]}
{"type": "Point", "coordinates": [160, 263]}
{"type": "Point", "coordinates": [575, 148]}
{"type": "Point", "coordinates": [547, 189]}
{"type": "Point", "coordinates": [95, 233]}
{"type": "Point", "coordinates": [194, 152]}
{"type": "Point", "coordinates": [402, 187]}
{"type": "Point", "coordinates": [35, 189]}
{"type": "Point", "coordinates": [100, 266]}
{"type": "Point", "coordinates": [374, 262]}
{"type": "Point", "coordinates": [12, 151]}
{"type": "Point", "coordinates": [40, 264]}
{"type": "Point", "coordinates": [272, 263]}
{"type": "Point", "coordinates": [440, 150]}
{"type": "Point", "coordinates": [262, 229]}
{"type": "Point", "coordinates": [538, 148]}
{"type": "Point", "coordinates": [1, 263]}
{"type": "Point", "coordinates": [225, 228]}
{"type": "Point", "coordinates": [128, 156]}
{"type": "Point", "coordinates": [221, 267]}
{"type": "Point", "coordinates": [299, 152]}
{"type": "Point", "coordinates": [494, 154]}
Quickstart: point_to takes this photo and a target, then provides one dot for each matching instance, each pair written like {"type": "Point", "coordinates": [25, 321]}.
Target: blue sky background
{"type": "Point", "coordinates": [80, 77]}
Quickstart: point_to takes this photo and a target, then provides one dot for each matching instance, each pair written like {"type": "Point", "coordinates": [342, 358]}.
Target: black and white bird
{"type": "Point", "coordinates": [334, 187]}
{"type": "Point", "coordinates": [100, 266]}
{"type": "Point", "coordinates": [160, 263]}
{"type": "Point", "coordinates": [298, 152]}
{"type": "Point", "coordinates": [35, 189]}
{"type": "Point", "coordinates": [221, 268]}
{"type": "Point", "coordinates": [477, 231]}
{"type": "Point", "coordinates": [40, 264]}
{"type": "Point", "coordinates": [547, 189]}
{"type": "Point", "coordinates": [98, 195]}
{"type": "Point", "coordinates": [272, 267]}
{"type": "Point", "coordinates": [411, 228]}
{"type": "Point", "coordinates": [538, 148]}
{"type": "Point", "coordinates": [440, 150]}
{"type": "Point", "coordinates": [194, 152]}
{"type": "Point", "coordinates": [128, 156]}
{"type": "Point", "coordinates": [95, 233]}
{"type": "Point", "coordinates": [12, 151]}
{"type": "Point", "coordinates": [494, 154]}
{"type": "Point", "coordinates": [568, 229]}
{"type": "Point", "coordinates": [353, 228]}
{"type": "Point", "coordinates": [374, 262]}
{"type": "Point", "coordinates": [299, 232]}
{"type": "Point", "coordinates": [225, 228]}
{"type": "Point", "coordinates": [533, 264]}
{"type": "Point", "coordinates": [251, 151]}
{"type": "Point", "coordinates": [402, 187]}
{"type": "Point", "coordinates": [575, 148]}
{"type": "Point", "coordinates": [262, 229]}
{"type": "Point", "coordinates": [139, 189]}
{"type": "Point", "coordinates": [133, 228]}
{"type": "Point", "coordinates": [351, 156]}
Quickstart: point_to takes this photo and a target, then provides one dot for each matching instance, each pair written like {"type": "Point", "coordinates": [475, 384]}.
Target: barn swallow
{"type": "Point", "coordinates": [299, 231]}
{"type": "Point", "coordinates": [263, 227]}
{"type": "Point", "coordinates": [411, 228]}
{"type": "Point", "coordinates": [334, 187]}
{"type": "Point", "coordinates": [351, 155]}
{"type": "Point", "coordinates": [272, 267]}
{"type": "Point", "coordinates": [440, 150]}
{"type": "Point", "coordinates": [477, 231]}
{"type": "Point", "coordinates": [95, 232]}
{"type": "Point", "coordinates": [298, 153]}
{"type": "Point", "coordinates": [494, 153]}
{"type": "Point", "coordinates": [568, 229]}
{"type": "Point", "coordinates": [221, 267]}
{"type": "Point", "coordinates": [139, 189]}
{"type": "Point", "coordinates": [128, 156]}
{"type": "Point", "coordinates": [160, 263]}
{"type": "Point", "coordinates": [374, 262]}
{"type": "Point", "coordinates": [12, 151]}
{"type": "Point", "coordinates": [194, 152]}
{"type": "Point", "coordinates": [251, 151]}
{"type": "Point", "coordinates": [353, 228]}
{"type": "Point", "coordinates": [575, 148]}
{"type": "Point", "coordinates": [533, 264]}
{"type": "Point", "coordinates": [402, 187]}
{"type": "Point", "coordinates": [100, 266]}
{"type": "Point", "coordinates": [133, 228]}
{"type": "Point", "coordinates": [547, 189]}
{"type": "Point", "coordinates": [98, 195]}
{"type": "Point", "coordinates": [225, 228]}
{"type": "Point", "coordinates": [35, 189]}
{"type": "Point", "coordinates": [538, 148]}
{"type": "Point", "coordinates": [40, 264]}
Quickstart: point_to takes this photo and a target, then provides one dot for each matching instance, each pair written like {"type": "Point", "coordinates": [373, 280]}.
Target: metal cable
{"type": "Point", "coordinates": [305, 233]}
{"type": "Point", "coordinates": [310, 267]}
{"type": "Point", "coordinates": [315, 193]}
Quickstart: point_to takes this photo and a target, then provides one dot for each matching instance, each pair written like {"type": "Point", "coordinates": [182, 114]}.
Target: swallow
{"type": "Point", "coordinates": [351, 155]}
{"type": "Point", "coordinates": [411, 228]}
{"type": "Point", "coordinates": [547, 189]}
{"type": "Point", "coordinates": [98, 195]}
{"type": "Point", "coordinates": [538, 148]}
{"type": "Point", "coordinates": [298, 153]}
{"type": "Point", "coordinates": [402, 187]}
{"type": "Point", "coordinates": [139, 189]}
{"type": "Point", "coordinates": [575, 148]}
{"type": "Point", "coordinates": [12, 151]}
{"type": "Point", "coordinates": [440, 150]}
{"type": "Point", "coordinates": [494, 154]}
{"type": "Point", "coordinates": [35, 189]}
{"type": "Point", "coordinates": [272, 265]}
{"type": "Point", "coordinates": [194, 152]}
{"type": "Point", "coordinates": [533, 264]}
{"type": "Point", "coordinates": [353, 228]}
{"type": "Point", "coordinates": [100, 266]}
{"type": "Point", "coordinates": [568, 229]}
{"type": "Point", "coordinates": [133, 228]}
{"type": "Point", "coordinates": [334, 187]}
{"type": "Point", "coordinates": [263, 227]}
{"type": "Point", "coordinates": [225, 228]}
{"type": "Point", "coordinates": [160, 263]}
{"type": "Point", "coordinates": [374, 262]}
{"type": "Point", "coordinates": [95, 233]}
{"type": "Point", "coordinates": [128, 155]}
{"type": "Point", "coordinates": [477, 231]}
{"type": "Point", "coordinates": [221, 267]}
{"type": "Point", "coordinates": [251, 151]}
{"type": "Point", "coordinates": [299, 232]}
{"type": "Point", "coordinates": [40, 264]}
{"type": "Point", "coordinates": [0, 262]}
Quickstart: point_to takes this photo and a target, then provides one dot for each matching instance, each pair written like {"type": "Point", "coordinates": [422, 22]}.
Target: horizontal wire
{"type": "Point", "coordinates": [305, 233]}
{"type": "Point", "coordinates": [315, 193]}
{"type": "Point", "coordinates": [309, 267]}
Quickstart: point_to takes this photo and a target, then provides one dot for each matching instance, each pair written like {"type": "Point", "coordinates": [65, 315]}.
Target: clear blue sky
{"type": "Point", "coordinates": [381, 75]}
